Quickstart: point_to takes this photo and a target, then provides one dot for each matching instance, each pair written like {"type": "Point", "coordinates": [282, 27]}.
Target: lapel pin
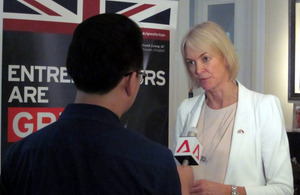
{"type": "Point", "coordinates": [240, 131]}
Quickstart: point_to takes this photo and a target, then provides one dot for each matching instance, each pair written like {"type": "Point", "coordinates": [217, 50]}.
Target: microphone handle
{"type": "Point", "coordinates": [185, 162]}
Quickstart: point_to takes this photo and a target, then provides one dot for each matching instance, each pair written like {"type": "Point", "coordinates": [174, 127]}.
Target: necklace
{"type": "Point", "coordinates": [215, 129]}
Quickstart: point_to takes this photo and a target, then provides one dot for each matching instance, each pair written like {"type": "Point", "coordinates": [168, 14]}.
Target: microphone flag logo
{"type": "Point", "coordinates": [196, 152]}
{"type": "Point", "coordinates": [186, 144]}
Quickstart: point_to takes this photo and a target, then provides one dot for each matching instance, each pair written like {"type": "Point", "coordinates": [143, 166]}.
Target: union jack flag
{"type": "Point", "coordinates": [62, 16]}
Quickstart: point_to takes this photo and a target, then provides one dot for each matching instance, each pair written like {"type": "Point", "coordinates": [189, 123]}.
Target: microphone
{"type": "Point", "coordinates": [189, 149]}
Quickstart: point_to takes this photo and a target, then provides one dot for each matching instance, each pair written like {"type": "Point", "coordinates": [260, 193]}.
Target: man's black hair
{"type": "Point", "coordinates": [103, 49]}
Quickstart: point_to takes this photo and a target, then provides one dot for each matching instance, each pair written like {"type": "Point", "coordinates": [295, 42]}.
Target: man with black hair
{"type": "Point", "coordinates": [87, 150]}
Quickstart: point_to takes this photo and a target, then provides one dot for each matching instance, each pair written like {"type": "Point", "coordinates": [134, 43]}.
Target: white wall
{"type": "Point", "coordinates": [178, 77]}
{"type": "Point", "coordinates": [276, 55]}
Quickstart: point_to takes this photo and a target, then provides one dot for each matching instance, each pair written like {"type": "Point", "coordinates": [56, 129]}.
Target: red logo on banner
{"type": "Point", "coordinates": [156, 34]}
{"type": "Point", "coordinates": [24, 121]}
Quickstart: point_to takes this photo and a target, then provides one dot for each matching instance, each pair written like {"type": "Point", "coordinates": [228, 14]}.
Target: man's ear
{"type": "Point", "coordinates": [131, 84]}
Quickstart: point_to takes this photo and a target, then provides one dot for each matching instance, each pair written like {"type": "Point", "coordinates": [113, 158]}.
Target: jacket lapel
{"type": "Point", "coordinates": [240, 130]}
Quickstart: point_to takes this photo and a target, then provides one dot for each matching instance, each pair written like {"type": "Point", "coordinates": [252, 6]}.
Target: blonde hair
{"type": "Point", "coordinates": [210, 37]}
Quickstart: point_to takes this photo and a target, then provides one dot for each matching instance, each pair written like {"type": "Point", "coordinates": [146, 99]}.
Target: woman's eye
{"type": "Point", "coordinates": [206, 59]}
{"type": "Point", "coordinates": [190, 62]}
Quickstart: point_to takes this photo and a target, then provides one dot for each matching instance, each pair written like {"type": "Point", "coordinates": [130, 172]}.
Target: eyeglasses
{"type": "Point", "coordinates": [142, 73]}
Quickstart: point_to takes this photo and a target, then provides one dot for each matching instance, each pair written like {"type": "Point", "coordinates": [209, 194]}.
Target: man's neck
{"type": "Point", "coordinates": [107, 101]}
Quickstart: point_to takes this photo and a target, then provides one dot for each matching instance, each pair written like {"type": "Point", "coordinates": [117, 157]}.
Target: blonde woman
{"type": "Point", "coordinates": [245, 145]}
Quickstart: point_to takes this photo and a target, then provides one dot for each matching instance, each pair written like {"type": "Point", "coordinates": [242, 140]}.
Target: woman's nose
{"type": "Point", "coordinates": [199, 68]}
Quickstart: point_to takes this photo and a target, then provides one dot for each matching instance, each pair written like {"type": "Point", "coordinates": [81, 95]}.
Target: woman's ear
{"type": "Point", "coordinates": [226, 63]}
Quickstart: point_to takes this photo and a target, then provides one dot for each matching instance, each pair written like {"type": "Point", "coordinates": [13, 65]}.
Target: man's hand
{"type": "Point", "coordinates": [186, 178]}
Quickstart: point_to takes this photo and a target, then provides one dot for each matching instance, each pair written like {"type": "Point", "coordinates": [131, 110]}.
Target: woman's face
{"type": "Point", "coordinates": [209, 70]}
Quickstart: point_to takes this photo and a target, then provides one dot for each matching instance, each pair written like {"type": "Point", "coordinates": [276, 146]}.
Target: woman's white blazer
{"type": "Point", "coordinates": [259, 157]}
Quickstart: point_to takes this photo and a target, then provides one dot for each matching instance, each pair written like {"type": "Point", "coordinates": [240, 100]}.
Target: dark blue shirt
{"type": "Point", "coordinates": [87, 151]}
